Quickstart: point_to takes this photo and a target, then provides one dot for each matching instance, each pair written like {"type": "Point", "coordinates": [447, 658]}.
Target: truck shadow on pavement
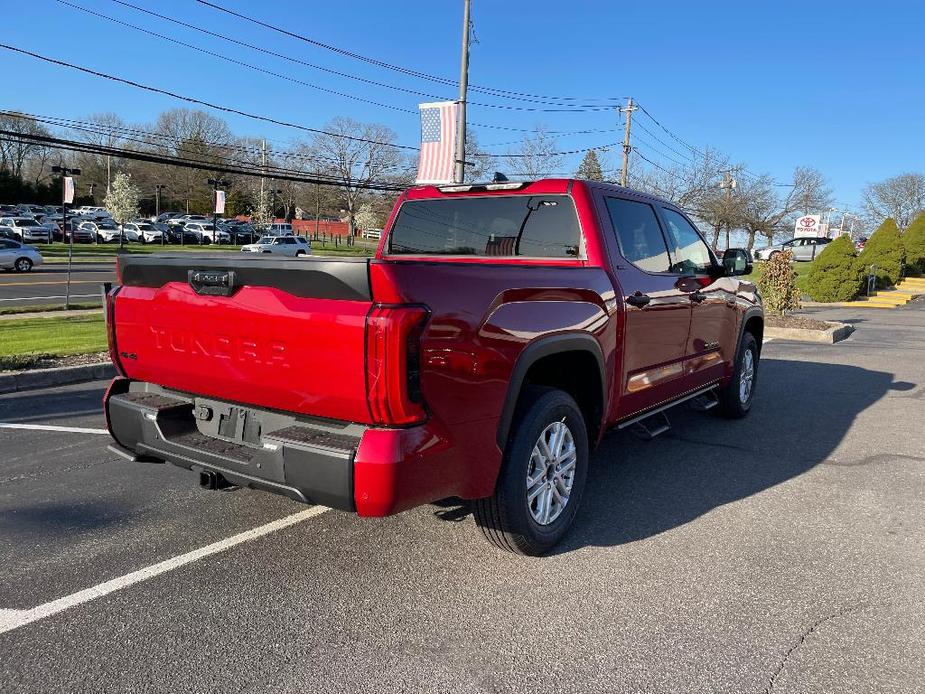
{"type": "Point", "coordinates": [637, 489]}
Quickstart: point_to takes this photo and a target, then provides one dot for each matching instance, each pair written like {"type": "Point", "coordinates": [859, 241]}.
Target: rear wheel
{"type": "Point", "coordinates": [736, 397]}
{"type": "Point", "coordinates": [22, 265]}
{"type": "Point", "coordinates": [542, 476]}
{"type": "Point", "coordinates": [773, 255]}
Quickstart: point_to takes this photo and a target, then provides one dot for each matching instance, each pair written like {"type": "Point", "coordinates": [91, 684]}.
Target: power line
{"type": "Point", "coordinates": [193, 100]}
{"type": "Point", "coordinates": [294, 80]}
{"type": "Point", "coordinates": [575, 109]}
{"type": "Point", "coordinates": [248, 170]}
{"type": "Point", "coordinates": [397, 68]}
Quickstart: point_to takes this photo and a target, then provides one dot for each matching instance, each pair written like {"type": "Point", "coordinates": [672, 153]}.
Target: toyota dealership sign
{"type": "Point", "coordinates": [807, 225]}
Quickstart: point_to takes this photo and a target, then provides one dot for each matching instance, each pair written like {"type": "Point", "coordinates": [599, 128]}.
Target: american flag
{"type": "Point", "coordinates": [438, 142]}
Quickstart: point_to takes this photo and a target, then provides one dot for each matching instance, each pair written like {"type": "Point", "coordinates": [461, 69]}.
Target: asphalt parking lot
{"type": "Point", "coordinates": [46, 284]}
{"type": "Point", "coordinates": [781, 553]}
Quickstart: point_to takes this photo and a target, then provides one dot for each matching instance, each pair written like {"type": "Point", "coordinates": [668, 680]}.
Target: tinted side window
{"type": "Point", "coordinates": [4, 244]}
{"type": "Point", "coordinates": [691, 255]}
{"type": "Point", "coordinates": [639, 234]}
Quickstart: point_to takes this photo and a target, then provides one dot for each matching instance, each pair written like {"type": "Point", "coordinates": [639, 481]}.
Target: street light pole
{"type": "Point", "coordinates": [65, 171]}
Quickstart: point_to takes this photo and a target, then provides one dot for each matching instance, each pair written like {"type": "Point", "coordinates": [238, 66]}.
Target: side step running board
{"type": "Point", "coordinates": [655, 422]}
{"type": "Point", "coordinates": [653, 425]}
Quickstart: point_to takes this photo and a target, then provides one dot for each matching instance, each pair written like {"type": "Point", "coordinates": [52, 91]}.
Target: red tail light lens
{"type": "Point", "coordinates": [393, 364]}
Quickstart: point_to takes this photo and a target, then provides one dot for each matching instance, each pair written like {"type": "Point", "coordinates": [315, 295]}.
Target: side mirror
{"type": "Point", "coordinates": [737, 261]}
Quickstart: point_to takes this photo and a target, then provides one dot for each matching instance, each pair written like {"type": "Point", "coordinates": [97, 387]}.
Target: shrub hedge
{"type": "Point", "coordinates": [885, 250]}
{"type": "Point", "coordinates": [836, 274]}
{"type": "Point", "coordinates": [778, 284]}
{"type": "Point", "coordinates": [914, 243]}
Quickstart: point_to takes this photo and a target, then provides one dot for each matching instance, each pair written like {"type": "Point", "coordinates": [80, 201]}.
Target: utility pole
{"type": "Point", "coordinates": [264, 177]}
{"type": "Point", "coordinates": [729, 185]}
{"type": "Point", "coordinates": [627, 148]}
{"type": "Point", "coordinates": [459, 171]}
{"type": "Point", "coordinates": [65, 172]}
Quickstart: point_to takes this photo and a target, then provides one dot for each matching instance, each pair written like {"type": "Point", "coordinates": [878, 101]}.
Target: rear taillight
{"type": "Point", "coordinates": [109, 312]}
{"type": "Point", "coordinates": [393, 364]}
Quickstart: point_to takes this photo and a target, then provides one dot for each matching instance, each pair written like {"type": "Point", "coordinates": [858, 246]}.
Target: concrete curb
{"type": "Point", "coordinates": [46, 378]}
{"type": "Point", "coordinates": [836, 333]}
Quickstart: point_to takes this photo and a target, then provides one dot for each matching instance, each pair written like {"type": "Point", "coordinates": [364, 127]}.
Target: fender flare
{"type": "Point", "coordinates": [750, 312]}
{"type": "Point", "coordinates": [533, 352]}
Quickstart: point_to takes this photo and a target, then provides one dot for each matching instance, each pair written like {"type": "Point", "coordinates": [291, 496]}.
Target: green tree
{"type": "Point", "coordinates": [590, 167]}
{"type": "Point", "coordinates": [914, 243]}
{"type": "Point", "coordinates": [122, 202]}
{"type": "Point", "coordinates": [884, 249]}
{"type": "Point", "coordinates": [835, 275]}
{"type": "Point", "coordinates": [778, 284]}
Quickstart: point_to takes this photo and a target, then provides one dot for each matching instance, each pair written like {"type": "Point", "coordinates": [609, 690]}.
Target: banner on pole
{"type": "Point", "coordinates": [68, 190]}
{"type": "Point", "coordinates": [438, 142]}
{"type": "Point", "coordinates": [219, 202]}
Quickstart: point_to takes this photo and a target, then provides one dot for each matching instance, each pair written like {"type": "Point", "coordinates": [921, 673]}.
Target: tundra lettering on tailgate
{"type": "Point", "coordinates": [248, 349]}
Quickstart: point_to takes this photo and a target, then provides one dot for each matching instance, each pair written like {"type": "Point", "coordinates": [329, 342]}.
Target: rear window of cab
{"type": "Point", "coordinates": [535, 226]}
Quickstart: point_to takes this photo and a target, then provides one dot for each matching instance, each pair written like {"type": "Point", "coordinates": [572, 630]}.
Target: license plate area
{"type": "Point", "coordinates": [233, 423]}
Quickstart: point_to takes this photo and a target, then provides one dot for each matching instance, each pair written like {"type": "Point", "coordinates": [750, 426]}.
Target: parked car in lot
{"type": "Point", "coordinates": [26, 229]}
{"type": "Point", "coordinates": [80, 235]}
{"type": "Point", "coordinates": [208, 232]}
{"type": "Point", "coordinates": [501, 330]}
{"type": "Point", "coordinates": [291, 246]}
{"type": "Point", "coordinates": [279, 229]}
{"type": "Point", "coordinates": [177, 234]}
{"type": "Point", "coordinates": [145, 231]}
{"type": "Point", "coordinates": [18, 256]}
{"type": "Point", "coordinates": [803, 248]}
{"type": "Point", "coordinates": [108, 232]}
{"type": "Point", "coordinates": [241, 232]}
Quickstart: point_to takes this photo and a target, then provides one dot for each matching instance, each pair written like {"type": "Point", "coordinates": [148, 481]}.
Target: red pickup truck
{"type": "Point", "coordinates": [499, 332]}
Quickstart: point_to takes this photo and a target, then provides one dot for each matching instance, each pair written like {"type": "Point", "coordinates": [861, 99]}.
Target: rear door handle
{"type": "Point", "coordinates": [697, 296]}
{"type": "Point", "coordinates": [639, 300]}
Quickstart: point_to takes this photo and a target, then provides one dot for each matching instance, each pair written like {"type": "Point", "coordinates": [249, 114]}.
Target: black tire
{"type": "Point", "coordinates": [731, 404]}
{"type": "Point", "coordinates": [506, 519]}
{"type": "Point", "coordinates": [22, 265]}
{"type": "Point", "coordinates": [774, 253]}
{"type": "Point", "coordinates": [299, 253]}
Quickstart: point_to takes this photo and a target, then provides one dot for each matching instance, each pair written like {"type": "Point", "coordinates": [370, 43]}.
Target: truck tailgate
{"type": "Point", "coordinates": [286, 334]}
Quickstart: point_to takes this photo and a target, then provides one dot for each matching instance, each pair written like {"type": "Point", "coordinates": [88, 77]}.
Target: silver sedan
{"type": "Point", "coordinates": [18, 256]}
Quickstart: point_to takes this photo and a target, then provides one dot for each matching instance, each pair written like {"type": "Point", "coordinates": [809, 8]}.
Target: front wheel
{"type": "Point", "coordinates": [736, 397]}
{"type": "Point", "coordinates": [542, 477]}
{"type": "Point", "coordinates": [22, 265]}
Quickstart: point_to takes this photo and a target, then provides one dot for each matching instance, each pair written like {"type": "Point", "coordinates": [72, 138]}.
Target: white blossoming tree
{"type": "Point", "coordinates": [122, 202]}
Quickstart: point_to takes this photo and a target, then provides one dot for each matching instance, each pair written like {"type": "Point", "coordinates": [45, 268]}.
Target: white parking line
{"type": "Point", "coordinates": [35, 298]}
{"type": "Point", "coordinates": [13, 619]}
{"type": "Point", "coordinates": [52, 427]}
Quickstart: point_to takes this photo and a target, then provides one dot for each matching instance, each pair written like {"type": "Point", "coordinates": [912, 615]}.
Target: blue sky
{"type": "Point", "coordinates": [835, 85]}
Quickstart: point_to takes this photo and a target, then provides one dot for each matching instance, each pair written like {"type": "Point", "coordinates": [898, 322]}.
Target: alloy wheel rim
{"type": "Point", "coordinates": [747, 378]}
{"type": "Point", "coordinates": [551, 473]}
{"type": "Point", "coordinates": [22, 265]}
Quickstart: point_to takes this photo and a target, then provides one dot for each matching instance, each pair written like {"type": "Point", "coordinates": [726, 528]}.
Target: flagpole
{"type": "Point", "coordinates": [460, 164]}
